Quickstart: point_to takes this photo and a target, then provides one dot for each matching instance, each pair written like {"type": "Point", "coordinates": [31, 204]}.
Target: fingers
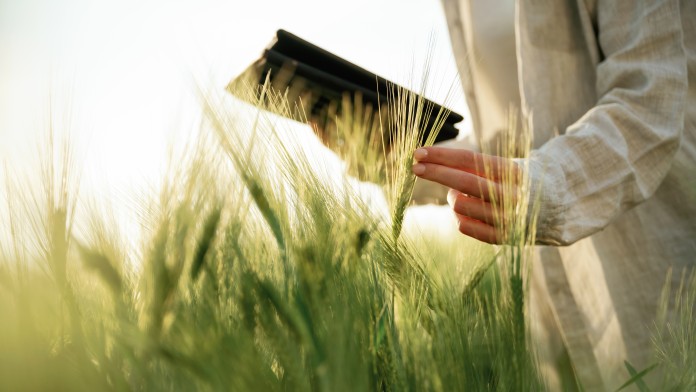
{"type": "Point", "coordinates": [477, 229]}
{"type": "Point", "coordinates": [472, 207]}
{"type": "Point", "coordinates": [479, 183]}
{"type": "Point", "coordinates": [475, 217]}
{"type": "Point", "coordinates": [457, 179]}
{"type": "Point", "coordinates": [466, 160]}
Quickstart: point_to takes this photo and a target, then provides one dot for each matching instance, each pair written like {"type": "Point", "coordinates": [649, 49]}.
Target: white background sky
{"type": "Point", "coordinates": [120, 73]}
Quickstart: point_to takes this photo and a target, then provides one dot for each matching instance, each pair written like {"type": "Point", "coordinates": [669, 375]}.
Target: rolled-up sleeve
{"type": "Point", "coordinates": [617, 154]}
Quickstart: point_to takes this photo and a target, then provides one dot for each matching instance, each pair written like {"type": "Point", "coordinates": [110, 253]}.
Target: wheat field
{"type": "Point", "coordinates": [258, 271]}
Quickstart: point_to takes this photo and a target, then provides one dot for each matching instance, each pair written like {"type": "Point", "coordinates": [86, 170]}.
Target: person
{"type": "Point", "coordinates": [610, 89]}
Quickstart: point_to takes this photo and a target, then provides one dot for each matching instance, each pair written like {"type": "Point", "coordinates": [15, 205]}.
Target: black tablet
{"type": "Point", "coordinates": [305, 69]}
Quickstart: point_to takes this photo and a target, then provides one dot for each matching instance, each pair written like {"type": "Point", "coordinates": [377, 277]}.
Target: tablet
{"type": "Point", "coordinates": [323, 79]}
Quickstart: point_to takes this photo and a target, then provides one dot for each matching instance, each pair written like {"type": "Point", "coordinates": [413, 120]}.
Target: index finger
{"type": "Point", "coordinates": [467, 160]}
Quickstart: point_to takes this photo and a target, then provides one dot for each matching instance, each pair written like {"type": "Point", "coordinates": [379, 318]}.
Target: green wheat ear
{"type": "Point", "coordinates": [404, 127]}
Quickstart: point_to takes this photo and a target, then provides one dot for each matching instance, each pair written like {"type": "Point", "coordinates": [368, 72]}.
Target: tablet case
{"type": "Point", "coordinates": [309, 71]}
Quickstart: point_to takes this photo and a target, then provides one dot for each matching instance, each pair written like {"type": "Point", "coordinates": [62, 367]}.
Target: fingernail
{"type": "Point", "coordinates": [420, 153]}
{"type": "Point", "coordinates": [451, 197]}
{"type": "Point", "coordinates": [418, 169]}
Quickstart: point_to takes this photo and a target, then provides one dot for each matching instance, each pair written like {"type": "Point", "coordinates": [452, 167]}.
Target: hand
{"type": "Point", "coordinates": [478, 191]}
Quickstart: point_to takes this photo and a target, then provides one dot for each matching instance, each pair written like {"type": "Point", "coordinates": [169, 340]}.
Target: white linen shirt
{"type": "Point", "coordinates": [610, 86]}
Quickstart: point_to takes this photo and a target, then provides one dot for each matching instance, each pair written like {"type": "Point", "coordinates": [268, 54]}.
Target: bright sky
{"type": "Point", "coordinates": [120, 74]}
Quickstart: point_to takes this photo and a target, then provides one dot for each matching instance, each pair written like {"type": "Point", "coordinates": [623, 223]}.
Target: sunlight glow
{"type": "Point", "coordinates": [121, 77]}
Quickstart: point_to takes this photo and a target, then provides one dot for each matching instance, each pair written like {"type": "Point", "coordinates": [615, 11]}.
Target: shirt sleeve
{"type": "Point", "coordinates": [616, 155]}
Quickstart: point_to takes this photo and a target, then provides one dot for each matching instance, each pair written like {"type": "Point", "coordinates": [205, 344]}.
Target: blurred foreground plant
{"type": "Point", "coordinates": [258, 271]}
